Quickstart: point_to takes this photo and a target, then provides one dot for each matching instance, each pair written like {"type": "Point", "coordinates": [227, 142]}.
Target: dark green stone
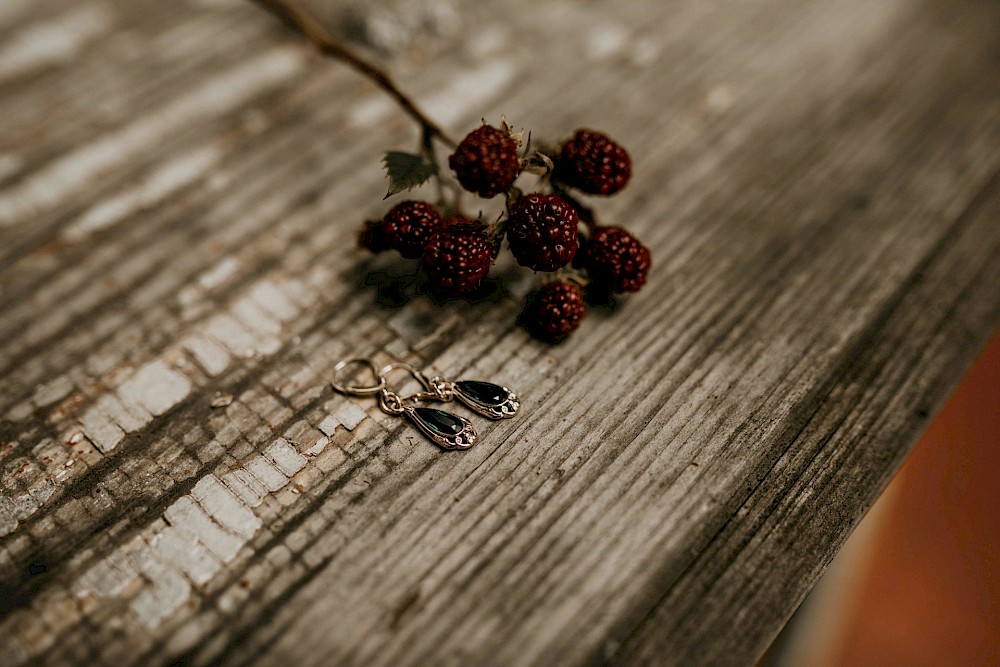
{"type": "Point", "coordinates": [484, 392]}
{"type": "Point", "coordinates": [440, 421]}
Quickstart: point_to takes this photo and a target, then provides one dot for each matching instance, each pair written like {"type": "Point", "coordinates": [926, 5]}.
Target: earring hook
{"type": "Point", "coordinates": [356, 390]}
{"type": "Point", "coordinates": [428, 394]}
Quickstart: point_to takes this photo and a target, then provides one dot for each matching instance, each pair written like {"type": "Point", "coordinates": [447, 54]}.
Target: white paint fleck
{"type": "Point", "coordinates": [183, 552]}
{"type": "Point", "coordinates": [226, 330]}
{"type": "Point", "coordinates": [255, 318]}
{"type": "Point", "coordinates": [266, 473]}
{"type": "Point", "coordinates": [167, 590]}
{"type": "Point", "coordinates": [188, 516]}
{"type": "Point", "coordinates": [297, 291]}
{"type": "Point", "coordinates": [107, 578]}
{"type": "Point", "coordinates": [219, 273]}
{"type": "Point", "coordinates": [273, 300]}
{"type": "Point", "coordinates": [210, 355]}
{"type": "Point", "coordinates": [328, 425]}
{"type": "Point", "coordinates": [285, 457]}
{"type": "Point", "coordinates": [104, 433]}
{"type": "Point", "coordinates": [131, 418]}
{"type": "Point", "coordinates": [268, 345]}
{"type": "Point", "coordinates": [156, 387]}
{"type": "Point", "coordinates": [189, 295]}
{"type": "Point", "coordinates": [318, 446]}
{"type": "Point", "coordinates": [223, 506]}
{"type": "Point", "coordinates": [54, 41]}
{"type": "Point", "coordinates": [247, 487]}
{"type": "Point", "coordinates": [349, 414]}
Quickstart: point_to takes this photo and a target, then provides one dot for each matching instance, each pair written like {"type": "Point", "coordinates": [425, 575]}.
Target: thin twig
{"type": "Point", "coordinates": [311, 29]}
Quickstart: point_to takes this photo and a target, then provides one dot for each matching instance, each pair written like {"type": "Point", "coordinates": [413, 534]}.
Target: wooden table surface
{"type": "Point", "coordinates": [179, 188]}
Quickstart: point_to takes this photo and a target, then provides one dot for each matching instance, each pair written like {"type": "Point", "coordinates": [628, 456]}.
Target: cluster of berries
{"type": "Point", "coordinates": [547, 231]}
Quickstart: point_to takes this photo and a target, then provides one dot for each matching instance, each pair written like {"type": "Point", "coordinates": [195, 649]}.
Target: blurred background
{"type": "Point", "coordinates": [918, 582]}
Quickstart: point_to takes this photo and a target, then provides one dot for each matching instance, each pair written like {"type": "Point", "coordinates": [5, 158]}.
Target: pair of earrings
{"type": "Point", "coordinates": [447, 430]}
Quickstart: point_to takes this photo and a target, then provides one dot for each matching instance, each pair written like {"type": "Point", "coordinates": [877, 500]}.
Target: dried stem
{"type": "Point", "coordinates": [311, 29]}
{"type": "Point", "coordinates": [587, 215]}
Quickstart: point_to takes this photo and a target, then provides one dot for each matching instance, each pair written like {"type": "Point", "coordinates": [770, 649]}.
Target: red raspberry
{"type": "Point", "coordinates": [408, 225]}
{"type": "Point", "coordinates": [615, 260]}
{"type": "Point", "coordinates": [486, 161]}
{"type": "Point", "coordinates": [543, 232]}
{"type": "Point", "coordinates": [557, 310]}
{"type": "Point", "coordinates": [593, 163]}
{"type": "Point", "coordinates": [457, 258]}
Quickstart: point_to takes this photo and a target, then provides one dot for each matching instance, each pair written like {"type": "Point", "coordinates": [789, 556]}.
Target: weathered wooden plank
{"type": "Point", "coordinates": [831, 473]}
{"type": "Point", "coordinates": [817, 182]}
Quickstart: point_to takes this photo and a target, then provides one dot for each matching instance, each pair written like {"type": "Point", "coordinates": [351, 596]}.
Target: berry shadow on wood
{"type": "Point", "coordinates": [394, 282]}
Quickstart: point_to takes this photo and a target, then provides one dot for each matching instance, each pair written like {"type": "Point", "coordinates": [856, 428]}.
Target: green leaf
{"type": "Point", "coordinates": [406, 171]}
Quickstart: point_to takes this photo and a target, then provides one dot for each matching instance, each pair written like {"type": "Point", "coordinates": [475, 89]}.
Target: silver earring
{"type": "Point", "coordinates": [488, 399]}
{"type": "Point", "coordinates": [446, 430]}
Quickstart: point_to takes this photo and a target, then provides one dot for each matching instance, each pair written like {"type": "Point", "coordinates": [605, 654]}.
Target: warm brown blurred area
{"type": "Point", "coordinates": [918, 584]}
{"type": "Point", "coordinates": [930, 594]}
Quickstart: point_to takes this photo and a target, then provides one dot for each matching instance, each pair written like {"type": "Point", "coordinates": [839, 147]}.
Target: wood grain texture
{"type": "Point", "coordinates": [179, 185]}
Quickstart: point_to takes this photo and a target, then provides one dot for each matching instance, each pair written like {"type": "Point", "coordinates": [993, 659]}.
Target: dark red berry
{"type": "Point", "coordinates": [371, 236]}
{"type": "Point", "coordinates": [408, 225]}
{"type": "Point", "coordinates": [593, 163]}
{"type": "Point", "coordinates": [557, 310]}
{"type": "Point", "coordinates": [486, 161]}
{"type": "Point", "coordinates": [457, 258]}
{"type": "Point", "coordinates": [542, 232]}
{"type": "Point", "coordinates": [615, 260]}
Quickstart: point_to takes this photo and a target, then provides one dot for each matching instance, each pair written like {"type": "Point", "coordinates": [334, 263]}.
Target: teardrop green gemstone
{"type": "Point", "coordinates": [443, 422]}
{"type": "Point", "coordinates": [484, 392]}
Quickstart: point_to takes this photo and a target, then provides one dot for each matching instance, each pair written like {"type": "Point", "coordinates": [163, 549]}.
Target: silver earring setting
{"type": "Point", "coordinates": [447, 430]}
{"type": "Point", "coordinates": [490, 400]}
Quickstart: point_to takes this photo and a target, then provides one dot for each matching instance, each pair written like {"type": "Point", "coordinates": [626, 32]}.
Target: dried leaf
{"type": "Point", "coordinates": [506, 127]}
{"type": "Point", "coordinates": [406, 171]}
{"type": "Point", "coordinates": [538, 163]}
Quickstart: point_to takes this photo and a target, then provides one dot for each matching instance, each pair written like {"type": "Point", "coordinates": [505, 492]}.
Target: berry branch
{"type": "Point", "coordinates": [311, 29]}
{"type": "Point", "coordinates": [548, 230]}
